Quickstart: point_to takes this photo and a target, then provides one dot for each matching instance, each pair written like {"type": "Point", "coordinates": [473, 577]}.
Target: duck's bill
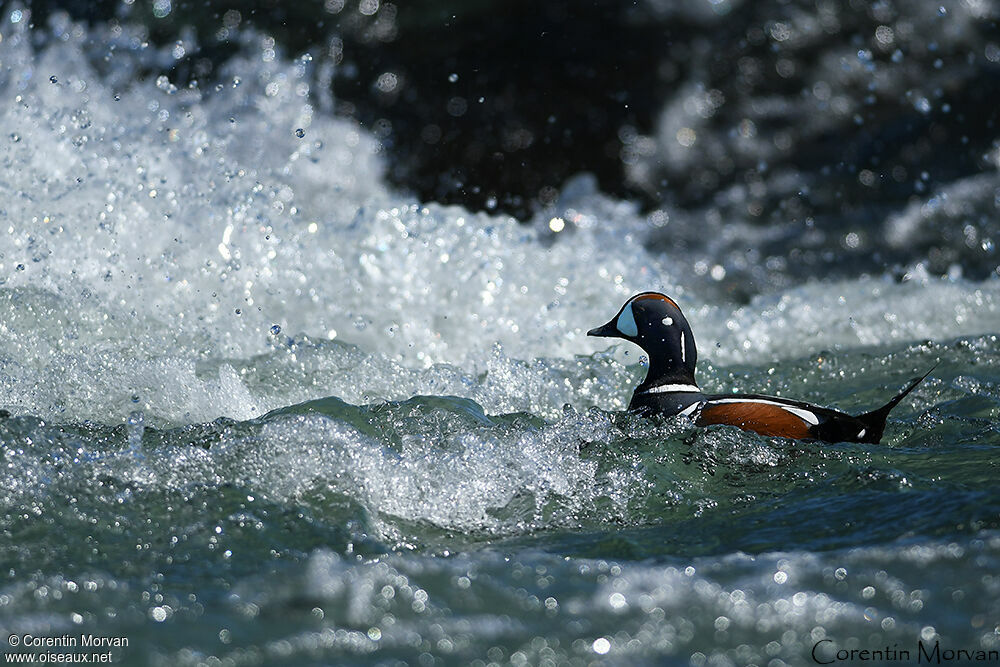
{"type": "Point", "coordinates": [608, 330]}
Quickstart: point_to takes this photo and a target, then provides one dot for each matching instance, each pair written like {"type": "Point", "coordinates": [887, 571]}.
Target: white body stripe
{"type": "Point", "coordinates": [626, 322]}
{"type": "Point", "coordinates": [683, 349]}
{"type": "Point", "coordinates": [673, 388]}
{"type": "Point", "coordinates": [805, 415]}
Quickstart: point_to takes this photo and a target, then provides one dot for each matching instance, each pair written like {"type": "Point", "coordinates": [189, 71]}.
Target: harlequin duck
{"type": "Point", "coordinates": [655, 323]}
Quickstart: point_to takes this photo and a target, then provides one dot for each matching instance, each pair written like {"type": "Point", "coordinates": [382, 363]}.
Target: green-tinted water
{"type": "Point", "coordinates": [327, 531]}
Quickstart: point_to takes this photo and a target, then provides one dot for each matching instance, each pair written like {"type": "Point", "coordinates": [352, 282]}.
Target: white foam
{"type": "Point", "coordinates": [150, 238]}
{"type": "Point", "coordinates": [864, 312]}
{"type": "Point", "coordinates": [147, 223]}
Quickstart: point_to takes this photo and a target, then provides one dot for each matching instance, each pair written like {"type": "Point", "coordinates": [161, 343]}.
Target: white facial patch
{"type": "Point", "coordinates": [667, 321]}
{"type": "Point", "coordinates": [626, 322]}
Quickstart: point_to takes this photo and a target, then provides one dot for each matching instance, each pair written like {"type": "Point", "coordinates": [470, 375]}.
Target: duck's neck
{"type": "Point", "coordinates": [663, 371]}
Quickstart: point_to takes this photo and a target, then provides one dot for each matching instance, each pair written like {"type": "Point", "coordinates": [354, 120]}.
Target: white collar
{"type": "Point", "coordinates": [672, 389]}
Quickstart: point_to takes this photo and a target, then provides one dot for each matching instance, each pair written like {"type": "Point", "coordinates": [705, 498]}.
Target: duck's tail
{"type": "Point", "coordinates": [874, 421]}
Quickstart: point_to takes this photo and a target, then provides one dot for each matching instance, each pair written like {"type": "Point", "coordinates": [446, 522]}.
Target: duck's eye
{"type": "Point", "coordinates": [667, 321]}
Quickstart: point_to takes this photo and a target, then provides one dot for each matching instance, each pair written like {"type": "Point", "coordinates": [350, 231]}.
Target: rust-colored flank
{"type": "Point", "coordinates": [761, 418]}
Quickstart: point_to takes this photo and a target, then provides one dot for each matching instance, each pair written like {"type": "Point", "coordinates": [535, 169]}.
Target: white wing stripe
{"type": "Point", "coordinates": [689, 410]}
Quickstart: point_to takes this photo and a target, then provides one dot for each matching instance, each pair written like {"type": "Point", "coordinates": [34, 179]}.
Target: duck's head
{"type": "Point", "coordinates": [655, 323]}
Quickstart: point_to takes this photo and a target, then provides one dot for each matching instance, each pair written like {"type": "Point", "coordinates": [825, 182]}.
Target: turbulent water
{"type": "Point", "coordinates": [259, 408]}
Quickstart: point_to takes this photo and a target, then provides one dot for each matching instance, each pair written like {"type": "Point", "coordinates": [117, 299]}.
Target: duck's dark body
{"type": "Point", "coordinates": [655, 323]}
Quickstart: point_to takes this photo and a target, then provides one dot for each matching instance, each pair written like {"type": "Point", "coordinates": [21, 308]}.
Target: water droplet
{"type": "Point", "coordinates": [162, 8]}
{"type": "Point", "coordinates": [53, 79]}
{"type": "Point", "coordinates": [457, 106]}
{"type": "Point", "coordinates": [300, 133]}
{"type": "Point", "coordinates": [163, 83]}
{"type": "Point", "coordinates": [453, 77]}
{"type": "Point", "coordinates": [136, 426]}
{"type": "Point", "coordinates": [275, 329]}
{"type": "Point", "coordinates": [239, 312]}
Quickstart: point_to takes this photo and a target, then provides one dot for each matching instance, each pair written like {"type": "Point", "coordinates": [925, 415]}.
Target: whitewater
{"type": "Point", "coordinates": [259, 407]}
